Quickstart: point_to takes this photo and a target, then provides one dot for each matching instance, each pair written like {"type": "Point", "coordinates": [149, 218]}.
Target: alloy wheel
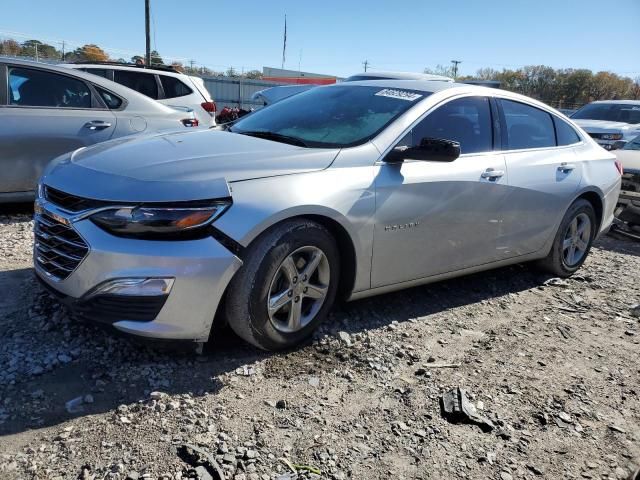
{"type": "Point", "coordinates": [298, 289]}
{"type": "Point", "coordinates": [576, 240]}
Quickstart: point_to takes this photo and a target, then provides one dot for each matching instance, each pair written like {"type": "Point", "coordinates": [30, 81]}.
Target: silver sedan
{"type": "Point", "coordinates": [46, 111]}
{"type": "Point", "coordinates": [343, 191]}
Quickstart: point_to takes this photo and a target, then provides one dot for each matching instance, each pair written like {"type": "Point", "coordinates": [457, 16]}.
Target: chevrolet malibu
{"type": "Point", "coordinates": [343, 191]}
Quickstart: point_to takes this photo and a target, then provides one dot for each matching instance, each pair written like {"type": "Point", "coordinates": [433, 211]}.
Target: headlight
{"type": "Point", "coordinates": [153, 221]}
{"type": "Point", "coordinates": [612, 136]}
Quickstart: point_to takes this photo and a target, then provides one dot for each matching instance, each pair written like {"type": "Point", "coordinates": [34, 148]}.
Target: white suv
{"type": "Point", "coordinates": [162, 83]}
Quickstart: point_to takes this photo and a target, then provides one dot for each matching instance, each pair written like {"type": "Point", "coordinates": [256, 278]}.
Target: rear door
{"type": "Point", "coordinates": [544, 173]}
{"type": "Point", "coordinates": [45, 115]}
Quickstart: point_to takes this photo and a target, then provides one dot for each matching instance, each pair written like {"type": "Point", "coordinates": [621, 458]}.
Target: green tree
{"type": "Point", "coordinates": [35, 48]}
{"type": "Point", "coordinates": [156, 59]}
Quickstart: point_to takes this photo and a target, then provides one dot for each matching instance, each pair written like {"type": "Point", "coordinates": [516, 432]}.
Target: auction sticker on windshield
{"type": "Point", "coordinates": [399, 94]}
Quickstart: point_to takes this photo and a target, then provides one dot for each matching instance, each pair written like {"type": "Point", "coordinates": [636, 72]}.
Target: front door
{"type": "Point", "coordinates": [437, 217]}
{"type": "Point", "coordinates": [47, 114]}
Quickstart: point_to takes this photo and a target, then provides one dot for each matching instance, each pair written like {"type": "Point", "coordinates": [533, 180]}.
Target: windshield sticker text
{"type": "Point", "coordinates": [399, 94]}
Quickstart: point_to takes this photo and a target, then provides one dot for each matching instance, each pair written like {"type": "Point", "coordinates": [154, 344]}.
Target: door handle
{"type": "Point", "coordinates": [566, 167]}
{"type": "Point", "coordinates": [492, 174]}
{"type": "Point", "coordinates": [97, 125]}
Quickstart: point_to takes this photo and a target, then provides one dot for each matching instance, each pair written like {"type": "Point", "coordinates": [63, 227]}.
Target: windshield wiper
{"type": "Point", "coordinates": [276, 137]}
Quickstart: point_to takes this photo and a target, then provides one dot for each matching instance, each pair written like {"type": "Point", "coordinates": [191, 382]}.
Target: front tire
{"type": "Point", "coordinates": [286, 286]}
{"type": "Point", "coordinates": [573, 240]}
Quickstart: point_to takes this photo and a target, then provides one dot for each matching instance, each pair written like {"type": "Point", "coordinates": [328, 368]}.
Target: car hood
{"type": "Point", "coordinates": [602, 126]}
{"type": "Point", "coordinates": [178, 166]}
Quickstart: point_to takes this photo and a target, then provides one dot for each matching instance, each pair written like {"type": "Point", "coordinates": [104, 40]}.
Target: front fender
{"type": "Point", "coordinates": [345, 196]}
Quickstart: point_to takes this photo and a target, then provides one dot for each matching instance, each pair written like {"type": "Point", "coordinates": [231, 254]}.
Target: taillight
{"type": "Point", "coordinates": [619, 166]}
{"type": "Point", "coordinates": [190, 122]}
{"type": "Point", "coordinates": [209, 107]}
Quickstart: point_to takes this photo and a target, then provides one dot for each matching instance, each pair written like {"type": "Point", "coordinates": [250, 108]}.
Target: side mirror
{"type": "Point", "coordinates": [430, 150]}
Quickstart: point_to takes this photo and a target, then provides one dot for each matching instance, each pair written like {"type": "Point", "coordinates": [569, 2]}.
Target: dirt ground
{"type": "Point", "coordinates": [555, 365]}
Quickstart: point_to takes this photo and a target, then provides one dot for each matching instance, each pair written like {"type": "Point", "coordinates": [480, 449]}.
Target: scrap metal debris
{"type": "Point", "coordinates": [457, 408]}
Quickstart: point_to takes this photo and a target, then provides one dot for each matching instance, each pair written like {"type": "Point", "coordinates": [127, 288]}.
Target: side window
{"type": "Point", "coordinates": [113, 102]}
{"type": "Point", "coordinates": [37, 88]}
{"type": "Point", "coordinates": [101, 72]}
{"type": "Point", "coordinates": [565, 133]}
{"type": "Point", "coordinates": [527, 127]}
{"type": "Point", "coordinates": [173, 87]}
{"type": "Point", "coordinates": [144, 83]}
{"type": "Point", "coordinates": [465, 120]}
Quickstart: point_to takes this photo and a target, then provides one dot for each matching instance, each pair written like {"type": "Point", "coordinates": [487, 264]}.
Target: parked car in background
{"type": "Point", "coordinates": [275, 94]}
{"type": "Point", "coordinates": [628, 210]}
{"type": "Point", "coordinates": [46, 111]}
{"type": "Point", "coordinates": [388, 184]}
{"type": "Point", "coordinates": [397, 76]}
{"type": "Point", "coordinates": [611, 123]}
{"type": "Point", "coordinates": [567, 111]}
{"type": "Point", "coordinates": [162, 83]}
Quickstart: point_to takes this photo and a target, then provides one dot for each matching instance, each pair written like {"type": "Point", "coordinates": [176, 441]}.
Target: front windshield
{"type": "Point", "coordinates": [614, 112]}
{"type": "Point", "coordinates": [336, 116]}
{"type": "Point", "coordinates": [633, 144]}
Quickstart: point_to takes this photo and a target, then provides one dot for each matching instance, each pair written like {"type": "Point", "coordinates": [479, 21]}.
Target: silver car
{"type": "Point", "coordinates": [343, 191]}
{"type": "Point", "coordinates": [46, 111]}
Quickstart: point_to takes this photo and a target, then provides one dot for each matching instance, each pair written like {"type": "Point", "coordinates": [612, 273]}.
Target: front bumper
{"type": "Point", "coordinates": [201, 270]}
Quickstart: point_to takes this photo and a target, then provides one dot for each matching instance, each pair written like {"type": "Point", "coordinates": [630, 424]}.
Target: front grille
{"type": "Point", "coordinates": [58, 248]}
{"type": "Point", "coordinates": [72, 203]}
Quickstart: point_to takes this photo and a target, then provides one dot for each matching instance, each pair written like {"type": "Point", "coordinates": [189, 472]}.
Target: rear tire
{"type": "Point", "coordinates": [573, 240]}
{"type": "Point", "coordinates": [286, 286]}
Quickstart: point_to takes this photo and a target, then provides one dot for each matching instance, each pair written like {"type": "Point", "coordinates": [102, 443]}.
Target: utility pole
{"type": "Point", "coordinates": [455, 68]}
{"type": "Point", "coordinates": [36, 45]}
{"type": "Point", "coordinates": [365, 64]}
{"type": "Point", "coordinates": [191, 62]}
{"type": "Point", "coordinates": [147, 32]}
{"type": "Point", "coordinates": [63, 50]}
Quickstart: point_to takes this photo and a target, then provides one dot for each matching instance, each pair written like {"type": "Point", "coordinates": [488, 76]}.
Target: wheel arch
{"type": "Point", "coordinates": [595, 198]}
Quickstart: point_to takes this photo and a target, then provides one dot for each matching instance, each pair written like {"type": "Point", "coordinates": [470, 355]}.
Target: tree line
{"type": "Point", "coordinates": [93, 53]}
{"type": "Point", "coordinates": [561, 88]}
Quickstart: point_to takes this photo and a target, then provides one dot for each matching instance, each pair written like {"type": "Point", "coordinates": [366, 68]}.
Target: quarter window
{"type": "Point", "coordinates": [36, 88]}
{"type": "Point", "coordinates": [173, 87]}
{"type": "Point", "coordinates": [113, 102]}
{"type": "Point", "coordinates": [465, 120]}
{"type": "Point", "coordinates": [145, 83]}
{"type": "Point", "coordinates": [565, 133]}
{"type": "Point", "coordinates": [527, 127]}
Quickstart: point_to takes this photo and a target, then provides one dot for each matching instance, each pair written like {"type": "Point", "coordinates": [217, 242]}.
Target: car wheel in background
{"type": "Point", "coordinates": [286, 286]}
{"type": "Point", "coordinates": [573, 240]}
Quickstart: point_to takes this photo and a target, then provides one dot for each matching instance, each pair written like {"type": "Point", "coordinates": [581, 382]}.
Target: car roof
{"type": "Point", "coordinates": [427, 86]}
{"type": "Point", "coordinates": [402, 76]}
{"type": "Point", "coordinates": [619, 102]}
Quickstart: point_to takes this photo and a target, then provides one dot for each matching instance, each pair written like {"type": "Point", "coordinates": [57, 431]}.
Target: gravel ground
{"type": "Point", "coordinates": [555, 365]}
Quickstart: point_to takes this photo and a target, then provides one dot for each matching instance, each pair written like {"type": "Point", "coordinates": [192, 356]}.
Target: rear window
{"type": "Point", "coordinates": [173, 87]}
{"type": "Point", "coordinates": [145, 83]}
{"type": "Point", "coordinates": [527, 127]}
